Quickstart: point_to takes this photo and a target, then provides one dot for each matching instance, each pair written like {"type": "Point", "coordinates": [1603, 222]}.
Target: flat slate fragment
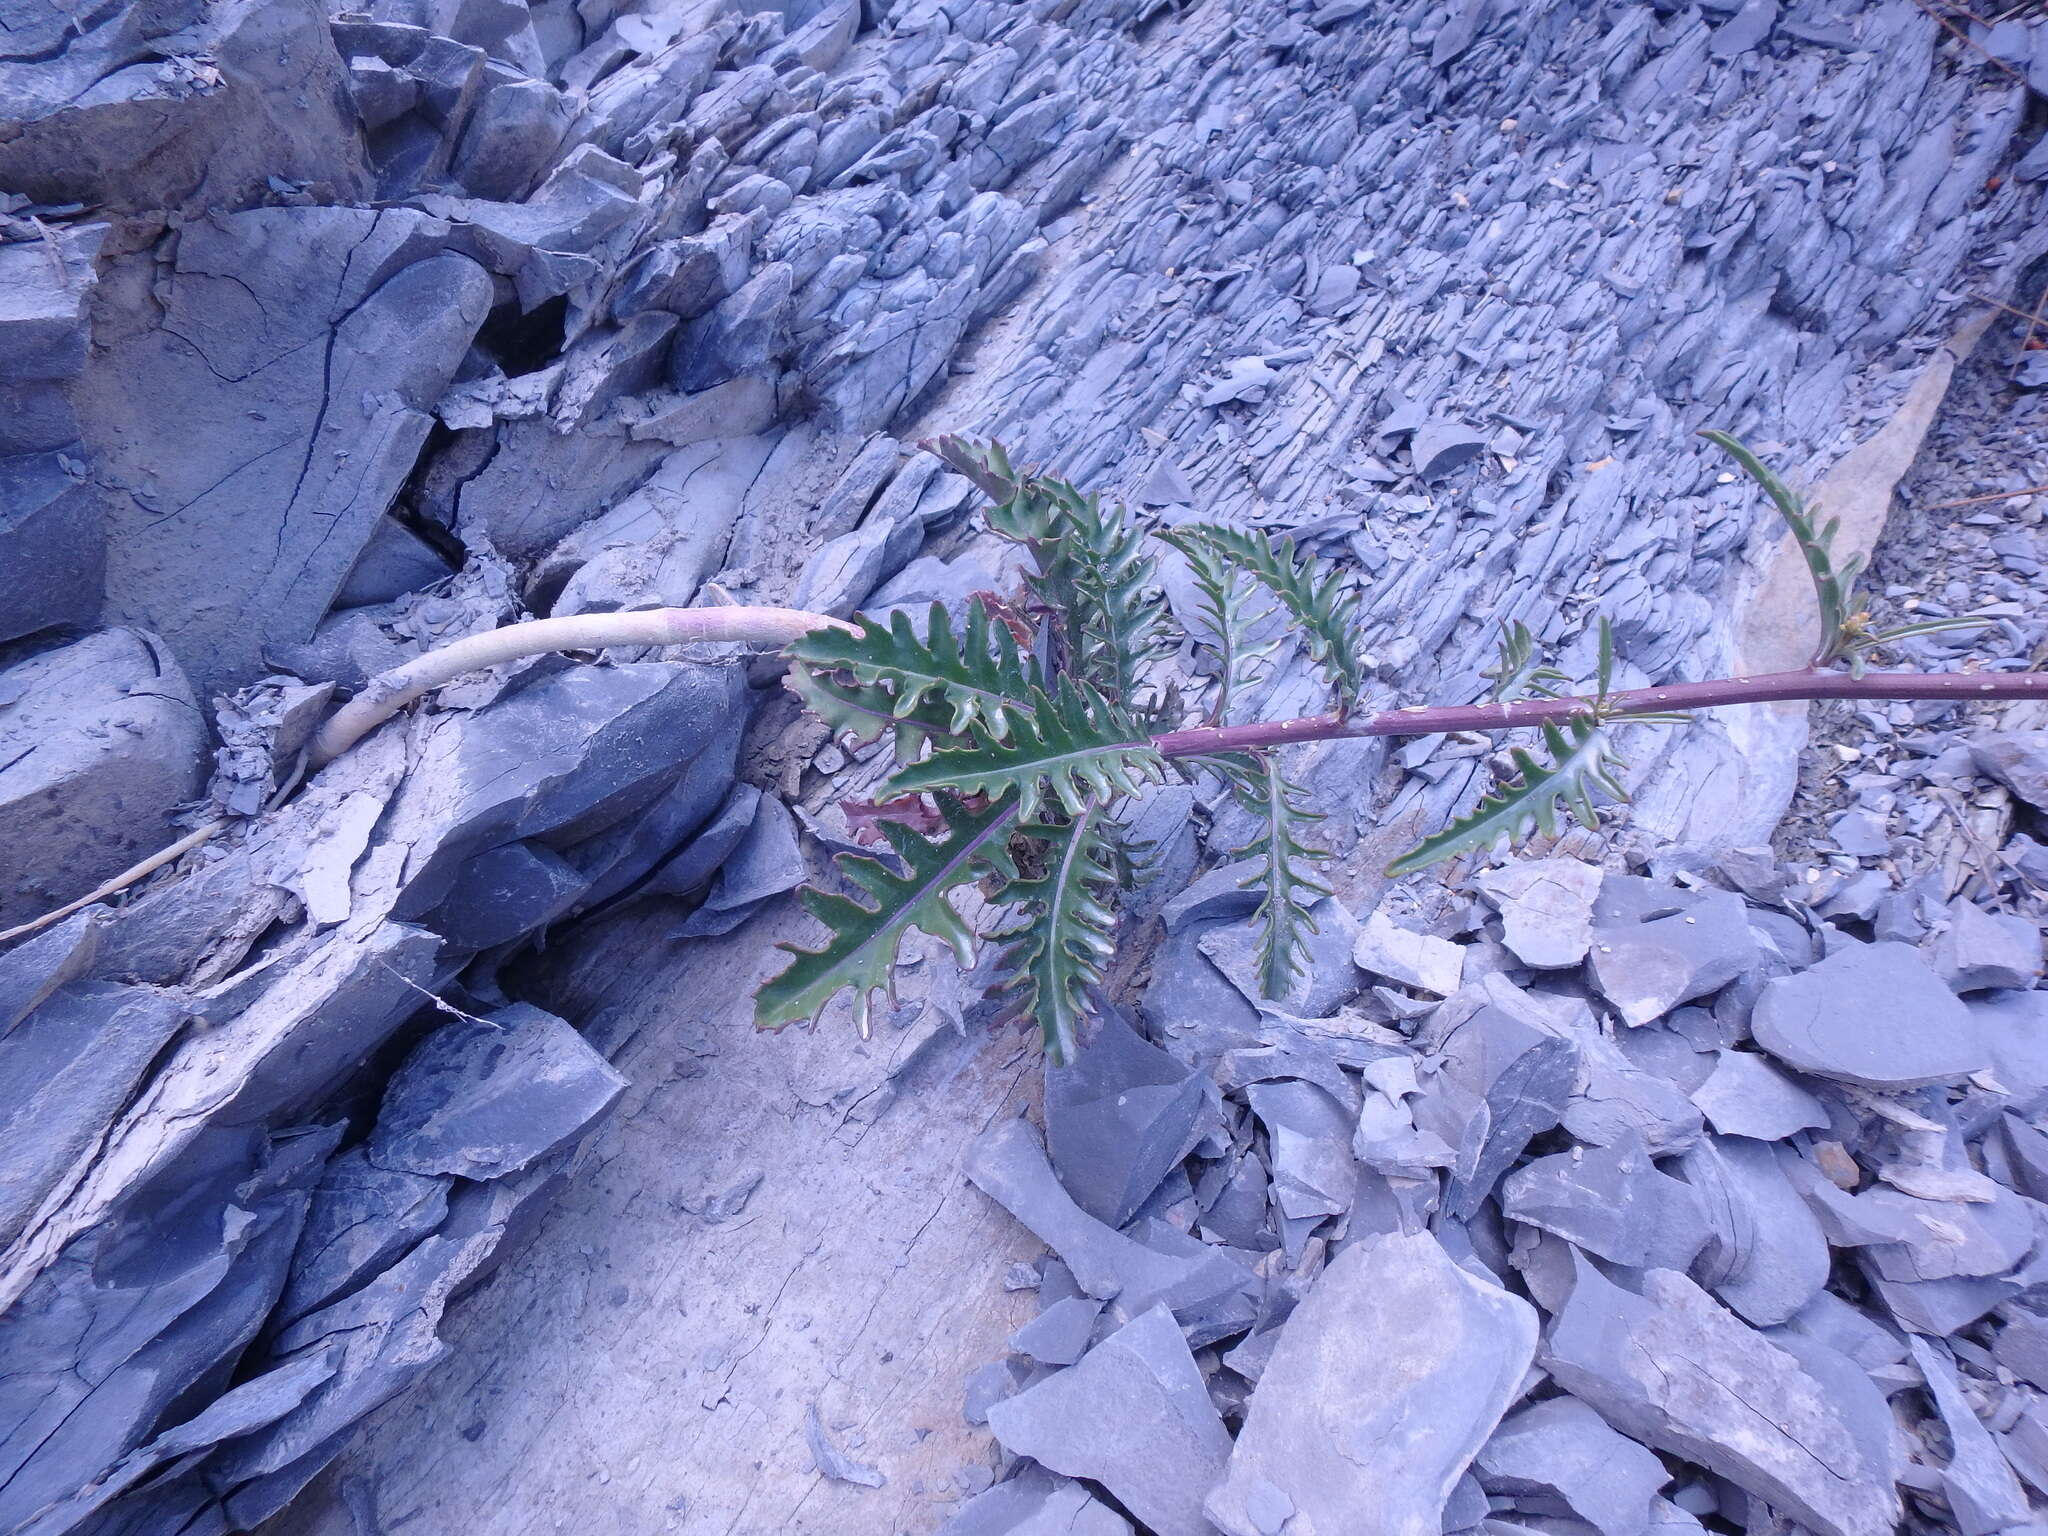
{"type": "Point", "coordinates": [1135, 1416]}
{"type": "Point", "coordinates": [1745, 1095]}
{"type": "Point", "coordinates": [1671, 1368]}
{"type": "Point", "coordinates": [1870, 1014]}
{"type": "Point", "coordinates": [1546, 909]}
{"type": "Point", "coordinates": [1559, 1457]}
{"type": "Point", "coordinates": [1382, 1387]}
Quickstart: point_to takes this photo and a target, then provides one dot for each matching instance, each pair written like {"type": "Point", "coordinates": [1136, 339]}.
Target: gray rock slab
{"type": "Point", "coordinates": [1499, 1080]}
{"type": "Point", "coordinates": [1674, 1370]}
{"type": "Point", "coordinates": [486, 1097]}
{"type": "Point", "coordinates": [1745, 1095]}
{"type": "Point", "coordinates": [1309, 1132]}
{"type": "Point", "coordinates": [1559, 1457]}
{"type": "Point", "coordinates": [1058, 1335]}
{"type": "Point", "coordinates": [37, 966]}
{"type": "Point", "coordinates": [1612, 1201]}
{"type": "Point", "coordinates": [306, 347]}
{"type": "Point", "coordinates": [2021, 1346]}
{"type": "Point", "coordinates": [1871, 1014]}
{"type": "Point", "coordinates": [1382, 1387]}
{"type": "Point", "coordinates": [53, 543]}
{"type": "Point", "coordinates": [1418, 960]}
{"type": "Point", "coordinates": [100, 740]}
{"type": "Point", "coordinates": [505, 893]}
{"type": "Point", "coordinates": [362, 1217]}
{"type": "Point", "coordinates": [1981, 949]}
{"type": "Point", "coordinates": [67, 1071]}
{"type": "Point", "coordinates": [1035, 1503]}
{"type": "Point", "coordinates": [1120, 1117]}
{"type": "Point", "coordinates": [1008, 1164]}
{"type": "Point", "coordinates": [1135, 1416]}
{"type": "Point", "coordinates": [1983, 1494]}
{"type": "Point", "coordinates": [1546, 909]}
{"type": "Point", "coordinates": [1654, 949]}
{"type": "Point", "coordinates": [1767, 1258]}
{"type": "Point", "coordinates": [2016, 759]}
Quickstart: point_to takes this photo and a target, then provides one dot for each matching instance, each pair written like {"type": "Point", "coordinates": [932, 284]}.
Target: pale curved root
{"type": "Point", "coordinates": [389, 692]}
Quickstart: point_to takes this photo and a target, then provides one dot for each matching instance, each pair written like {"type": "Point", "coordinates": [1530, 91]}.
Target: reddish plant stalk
{"type": "Point", "coordinates": [1771, 687]}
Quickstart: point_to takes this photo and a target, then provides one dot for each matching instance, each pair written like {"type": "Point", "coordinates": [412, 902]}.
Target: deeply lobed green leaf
{"type": "Point", "coordinates": [1076, 747]}
{"type": "Point", "coordinates": [1314, 593]}
{"type": "Point", "coordinates": [861, 946]}
{"type": "Point", "coordinates": [1060, 939]}
{"type": "Point", "coordinates": [982, 680]}
{"type": "Point", "coordinates": [1581, 761]}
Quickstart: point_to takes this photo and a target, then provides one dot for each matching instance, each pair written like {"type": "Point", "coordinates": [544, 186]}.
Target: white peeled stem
{"type": "Point", "coordinates": [389, 692]}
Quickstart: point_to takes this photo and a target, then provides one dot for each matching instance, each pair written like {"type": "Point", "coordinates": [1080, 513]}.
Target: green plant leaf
{"type": "Point", "coordinates": [1225, 605]}
{"type": "Point", "coordinates": [1313, 592]}
{"type": "Point", "coordinates": [1076, 745]}
{"type": "Point", "coordinates": [1520, 672]}
{"type": "Point", "coordinates": [1581, 761]}
{"type": "Point", "coordinates": [1062, 935]}
{"type": "Point", "coordinates": [1282, 914]}
{"type": "Point", "coordinates": [860, 949]}
{"type": "Point", "coordinates": [1834, 585]}
{"type": "Point", "coordinates": [983, 680]}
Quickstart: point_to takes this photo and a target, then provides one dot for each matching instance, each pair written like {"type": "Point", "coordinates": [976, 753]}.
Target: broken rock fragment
{"type": "Point", "coordinates": [1546, 909]}
{"type": "Point", "coordinates": [1412, 959]}
{"type": "Point", "coordinates": [1745, 1095]}
{"type": "Point", "coordinates": [1559, 1457]}
{"type": "Point", "coordinates": [1671, 1368]}
{"type": "Point", "coordinates": [482, 1098]}
{"type": "Point", "coordinates": [1655, 947]}
{"type": "Point", "coordinates": [1382, 1387]}
{"type": "Point", "coordinates": [1871, 1014]}
{"type": "Point", "coordinates": [1135, 1416]}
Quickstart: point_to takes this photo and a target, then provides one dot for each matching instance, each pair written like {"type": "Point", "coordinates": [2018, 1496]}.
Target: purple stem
{"type": "Point", "coordinates": [1434, 720]}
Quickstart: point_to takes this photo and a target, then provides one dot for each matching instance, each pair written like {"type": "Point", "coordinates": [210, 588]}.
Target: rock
{"type": "Point", "coordinates": [1058, 1335]}
{"type": "Point", "coordinates": [1500, 1080]}
{"type": "Point", "coordinates": [1670, 1368]}
{"type": "Point", "coordinates": [1983, 1495]}
{"type": "Point", "coordinates": [1439, 447]}
{"type": "Point", "coordinates": [1611, 1201]}
{"type": "Point", "coordinates": [1135, 1416]}
{"type": "Point", "coordinates": [1008, 1165]}
{"type": "Point", "coordinates": [1546, 909]}
{"type": "Point", "coordinates": [1871, 1014]}
{"type": "Point", "coordinates": [2021, 1346]}
{"type": "Point", "coordinates": [362, 1218]}
{"type": "Point", "coordinates": [505, 893]}
{"type": "Point", "coordinates": [990, 1385]}
{"type": "Point", "coordinates": [1384, 1384]}
{"type": "Point", "coordinates": [831, 1461]}
{"type": "Point", "coordinates": [231, 100]}
{"type": "Point", "coordinates": [1035, 1503]}
{"type": "Point", "coordinates": [1119, 1118]}
{"type": "Point", "coordinates": [1313, 1171]}
{"type": "Point", "coordinates": [68, 1068]}
{"type": "Point", "coordinates": [1766, 1258]}
{"type": "Point", "coordinates": [481, 1098]}
{"type": "Point", "coordinates": [1655, 947]}
{"type": "Point", "coordinates": [100, 741]}
{"type": "Point", "coordinates": [1982, 949]}
{"type": "Point", "coordinates": [2016, 759]}
{"type": "Point", "coordinates": [1559, 1457]}
{"type": "Point", "coordinates": [1745, 1095]}
{"type": "Point", "coordinates": [394, 561]}
{"type": "Point", "coordinates": [1409, 958]}
{"type": "Point", "coordinates": [37, 966]}
{"type": "Point", "coordinates": [765, 862]}
{"type": "Point", "coordinates": [270, 317]}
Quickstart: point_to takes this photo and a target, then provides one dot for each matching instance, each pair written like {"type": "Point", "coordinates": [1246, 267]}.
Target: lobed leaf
{"type": "Point", "coordinates": [1834, 585]}
{"type": "Point", "coordinates": [1062, 937]}
{"type": "Point", "coordinates": [1226, 608]}
{"type": "Point", "coordinates": [983, 680]}
{"type": "Point", "coordinates": [1520, 672]}
{"type": "Point", "coordinates": [1282, 915]}
{"type": "Point", "coordinates": [1313, 592]}
{"type": "Point", "coordinates": [1076, 746]}
{"type": "Point", "coordinates": [861, 947]}
{"type": "Point", "coordinates": [1581, 761]}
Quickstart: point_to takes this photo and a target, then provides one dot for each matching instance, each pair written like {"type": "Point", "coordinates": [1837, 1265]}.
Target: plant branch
{"type": "Point", "coordinates": [389, 692]}
{"type": "Point", "coordinates": [1772, 687]}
